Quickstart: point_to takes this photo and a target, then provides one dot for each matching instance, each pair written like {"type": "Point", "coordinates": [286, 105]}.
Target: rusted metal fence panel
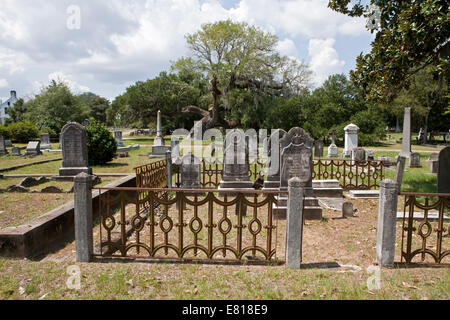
{"type": "Point", "coordinates": [352, 175]}
{"type": "Point", "coordinates": [425, 232]}
{"type": "Point", "coordinates": [192, 225]}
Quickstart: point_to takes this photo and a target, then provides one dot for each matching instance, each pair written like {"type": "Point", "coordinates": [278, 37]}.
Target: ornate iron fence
{"type": "Point", "coordinates": [425, 233]}
{"type": "Point", "coordinates": [192, 225]}
{"type": "Point", "coordinates": [352, 175]}
{"type": "Point", "coordinates": [152, 175]}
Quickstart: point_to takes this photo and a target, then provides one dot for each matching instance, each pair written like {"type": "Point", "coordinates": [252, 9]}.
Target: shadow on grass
{"type": "Point", "coordinates": [111, 165]}
{"type": "Point", "coordinates": [423, 183]}
{"type": "Point", "coordinates": [404, 265]}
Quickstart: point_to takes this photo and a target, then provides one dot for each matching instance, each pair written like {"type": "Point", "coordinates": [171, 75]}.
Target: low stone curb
{"type": "Point", "coordinates": [50, 230]}
{"type": "Point", "coordinates": [28, 164]}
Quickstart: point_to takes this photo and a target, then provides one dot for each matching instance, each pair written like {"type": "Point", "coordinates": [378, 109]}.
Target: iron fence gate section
{"type": "Point", "coordinates": [189, 225]}
{"type": "Point", "coordinates": [352, 175]}
{"type": "Point", "coordinates": [425, 233]}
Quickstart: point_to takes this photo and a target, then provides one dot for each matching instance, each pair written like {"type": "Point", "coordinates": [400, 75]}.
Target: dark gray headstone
{"type": "Point", "coordinates": [434, 165]}
{"type": "Point", "coordinates": [74, 150]}
{"type": "Point", "coordinates": [118, 137]}
{"type": "Point", "coordinates": [16, 151]}
{"type": "Point", "coordinates": [347, 209]}
{"type": "Point", "coordinates": [414, 160]}
{"type": "Point", "coordinates": [358, 154]}
{"type": "Point", "coordinates": [190, 172]}
{"type": "Point", "coordinates": [296, 158]}
{"type": "Point", "coordinates": [8, 143]}
{"type": "Point", "coordinates": [443, 177]}
{"type": "Point", "coordinates": [45, 141]}
{"type": "Point", "coordinates": [3, 150]}
{"type": "Point", "coordinates": [318, 149]}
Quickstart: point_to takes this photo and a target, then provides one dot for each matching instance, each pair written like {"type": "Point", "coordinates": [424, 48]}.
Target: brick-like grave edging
{"type": "Point", "coordinates": [28, 164]}
{"type": "Point", "coordinates": [50, 230]}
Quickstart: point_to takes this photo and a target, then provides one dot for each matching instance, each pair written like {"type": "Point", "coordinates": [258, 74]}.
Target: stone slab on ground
{"type": "Point", "coordinates": [364, 194]}
{"type": "Point", "coordinates": [332, 203]}
{"type": "Point", "coordinates": [432, 215]}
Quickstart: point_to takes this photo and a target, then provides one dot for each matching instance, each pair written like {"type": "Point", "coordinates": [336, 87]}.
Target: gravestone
{"type": "Point", "coordinates": [351, 139]}
{"type": "Point", "coordinates": [406, 142]}
{"type": "Point", "coordinates": [16, 151]}
{"type": "Point", "coordinates": [347, 209]}
{"type": "Point", "coordinates": [443, 177]}
{"type": "Point", "coordinates": [159, 148]}
{"type": "Point", "coordinates": [45, 141]}
{"type": "Point", "coordinates": [33, 148]}
{"type": "Point", "coordinates": [274, 155]}
{"type": "Point", "coordinates": [236, 162]}
{"type": "Point", "coordinates": [3, 150]}
{"type": "Point", "coordinates": [333, 150]}
{"type": "Point", "coordinates": [318, 149]}
{"type": "Point", "coordinates": [433, 156]}
{"type": "Point", "coordinates": [8, 143]}
{"type": "Point", "coordinates": [370, 155]}
{"type": "Point", "coordinates": [118, 137]}
{"type": "Point", "coordinates": [414, 160]}
{"type": "Point", "coordinates": [190, 172]}
{"type": "Point", "coordinates": [359, 155]}
{"type": "Point", "coordinates": [297, 162]}
{"type": "Point", "coordinates": [74, 150]}
{"type": "Point", "coordinates": [434, 166]}
{"type": "Point", "coordinates": [159, 140]}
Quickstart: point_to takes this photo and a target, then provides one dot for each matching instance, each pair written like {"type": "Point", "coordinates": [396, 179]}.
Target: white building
{"type": "Point", "coordinates": [5, 105]}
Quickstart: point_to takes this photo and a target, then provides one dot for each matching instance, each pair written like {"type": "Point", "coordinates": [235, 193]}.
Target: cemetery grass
{"type": "Point", "coordinates": [9, 160]}
{"type": "Point", "coordinates": [347, 242]}
{"type": "Point", "coordinates": [118, 165]}
{"type": "Point", "coordinates": [19, 208]}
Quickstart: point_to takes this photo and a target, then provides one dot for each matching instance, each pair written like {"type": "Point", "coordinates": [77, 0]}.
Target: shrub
{"type": "Point", "coordinates": [101, 144]}
{"type": "Point", "coordinates": [4, 132]}
{"type": "Point", "coordinates": [23, 131]}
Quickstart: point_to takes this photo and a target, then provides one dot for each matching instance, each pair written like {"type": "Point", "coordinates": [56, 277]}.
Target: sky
{"type": "Point", "coordinates": [104, 46]}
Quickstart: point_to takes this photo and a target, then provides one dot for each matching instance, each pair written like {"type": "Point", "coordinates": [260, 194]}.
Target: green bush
{"type": "Point", "coordinates": [101, 144]}
{"type": "Point", "coordinates": [4, 132]}
{"type": "Point", "coordinates": [23, 131]}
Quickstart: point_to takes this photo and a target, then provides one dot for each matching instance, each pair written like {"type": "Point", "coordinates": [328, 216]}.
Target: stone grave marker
{"type": "Point", "coordinates": [347, 209]}
{"type": "Point", "coordinates": [351, 139]}
{"type": "Point", "coordinates": [33, 148]}
{"type": "Point", "coordinates": [297, 161]}
{"type": "Point", "coordinates": [318, 149]}
{"type": "Point", "coordinates": [8, 143]}
{"type": "Point", "coordinates": [274, 155]}
{"type": "Point", "coordinates": [333, 150]}
{"type": "Point", "coordinates": [433, 156]}
{"type": "Point", "coordinates": [443, 177]}
{"type": "Point", "coordinates": [414, 160]}
{"type": "Point", "coordinates": [45, 141]}
{"type": "Point", "coordinates": [359, 154]}
{"type": "Point", "coordinates": [406, 141]}
{"type": "Point", "coordinates": [74, 150]}
{"type": "Point", "coordinates": [118, 137]}
{"type": "Point", "coordinates": [16, 151]}
{"type": "Point", "coordinates": [3, 150]}
{"type": "Point", "coordinates": [190, 172]}
{"type": "Point", "coordinates": [434, 165]}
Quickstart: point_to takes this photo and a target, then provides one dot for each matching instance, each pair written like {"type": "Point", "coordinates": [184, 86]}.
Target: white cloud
{"type": "Point", "coordinates": [73, 85]}
{"type": "Point", "coordinates": [287, 47]}
{"type": "Point", "coordinates": [124, 41]}
{"type": "Point", "coordinates": [3, 83]}
{"type": "Point", "coordinates": [324, 59]}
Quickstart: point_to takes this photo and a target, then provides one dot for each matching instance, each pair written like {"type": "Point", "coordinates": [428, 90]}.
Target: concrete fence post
{"type": "Point", "coordinates": [169, 168]}
{"type": "Point", "coordinates": [294, 224]}
{"type": "Point", "coordinates": [387, 219]}
{"type": "Point", "coordinates": [401, 162]}
{"type": "Point", "coordinates": [83, 217]}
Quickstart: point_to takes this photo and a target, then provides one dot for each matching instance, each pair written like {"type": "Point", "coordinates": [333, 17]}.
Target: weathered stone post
{"type": "Point", "coordinates": [387, 219]}
{"type": "Point", "coordinates": [169, 168]}
{"type": "Point", "coordinates": [83, 217]}
{"type": "Point", "coordinates": [401, 161]}
{"type": "Point", "coordinates": [294, 225]}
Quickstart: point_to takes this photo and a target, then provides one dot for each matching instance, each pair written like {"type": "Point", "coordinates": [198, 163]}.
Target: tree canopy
{"type": "Point", "coordinates": [410, 35]}
{"type": "Point", "coordinates": [242, 65]}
